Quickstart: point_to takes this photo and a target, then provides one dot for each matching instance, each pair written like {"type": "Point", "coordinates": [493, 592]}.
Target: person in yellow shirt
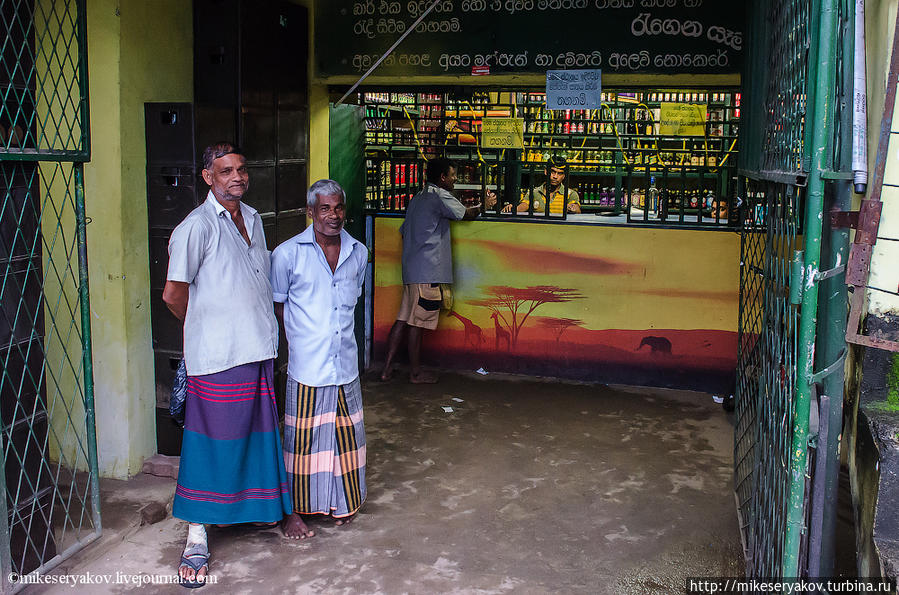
{"type": "Point", "coordinates": [555, 176]}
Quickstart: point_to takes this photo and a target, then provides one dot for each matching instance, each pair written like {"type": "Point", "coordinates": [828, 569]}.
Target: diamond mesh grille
{"type": "Point", "coordinates": [48, 442]}
{"type": "Point", "coordinates": [766, 373]}
{"type": "Point", "coordinates": [42, 78]}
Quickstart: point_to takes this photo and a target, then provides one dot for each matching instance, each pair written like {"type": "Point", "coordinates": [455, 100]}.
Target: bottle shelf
{"type": "Point", "coordinates": [640, 172]}
{"type": "Point", "coordinates": [394, 148]}
{"type": "Point", "coordinates": [611, 152]}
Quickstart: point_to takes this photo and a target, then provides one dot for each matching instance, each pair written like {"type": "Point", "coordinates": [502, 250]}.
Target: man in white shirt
{"type": "Point", "coordinates": [317, 278]}
{"type": "Point", "coordinates": [231, 468]}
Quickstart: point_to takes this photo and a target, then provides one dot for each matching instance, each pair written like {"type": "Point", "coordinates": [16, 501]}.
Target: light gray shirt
{"type": "Point", "coordinates": [319, 307]}
{"type": "Point", "coordinates": [427, 252]}
{"type": "Point", "coordinates": [230, 320]}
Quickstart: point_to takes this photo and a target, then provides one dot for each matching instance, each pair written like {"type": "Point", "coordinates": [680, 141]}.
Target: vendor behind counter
{"type": "Point", "coordinates": [535, 199]}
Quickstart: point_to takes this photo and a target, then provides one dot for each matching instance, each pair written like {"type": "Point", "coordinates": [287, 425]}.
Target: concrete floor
{"type": "Point", "coordinates": [525, 487]}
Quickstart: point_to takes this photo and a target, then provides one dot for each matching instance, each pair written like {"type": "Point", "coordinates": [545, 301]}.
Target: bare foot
{"type": "Point", "coordinates": [423, 378]}
{"type": "Point", "coordinates": [387, 375]}
{"type": "Point", "coordinates": [344, 521]}
{"type": "Point", "coordinates": [295, 528]}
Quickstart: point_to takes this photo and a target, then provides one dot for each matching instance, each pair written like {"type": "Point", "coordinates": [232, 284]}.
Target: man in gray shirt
{"type": "Point", "coordinates": [427, 262]}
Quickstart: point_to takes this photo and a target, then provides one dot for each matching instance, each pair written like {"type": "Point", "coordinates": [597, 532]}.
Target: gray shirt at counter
{"type": "Point", "coordinates": [427, 253]}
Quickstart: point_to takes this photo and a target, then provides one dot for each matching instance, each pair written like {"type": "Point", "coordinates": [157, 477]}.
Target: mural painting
{"type": "Point", "coordinates": [655, 307]}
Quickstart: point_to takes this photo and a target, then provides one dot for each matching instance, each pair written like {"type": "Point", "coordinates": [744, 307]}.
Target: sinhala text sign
{"type": "Point", "coordinates": [573, 89]}
{"type": "Point", "coordinates": [530, 36]}
{"type": "Point", "coordinates": [502, 133]}
{"type": "Point", "coordinates": [682, 119]}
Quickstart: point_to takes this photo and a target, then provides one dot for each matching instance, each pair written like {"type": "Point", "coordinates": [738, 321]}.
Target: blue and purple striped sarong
{"type": "Point", "coordinates": [232, 470]}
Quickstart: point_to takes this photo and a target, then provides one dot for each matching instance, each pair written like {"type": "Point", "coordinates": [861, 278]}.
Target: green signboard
{"type": "Point", "coordinates": [531, 36]}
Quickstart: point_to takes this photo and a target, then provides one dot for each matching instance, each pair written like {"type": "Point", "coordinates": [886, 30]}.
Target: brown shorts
{"type": "Point", "coordinates": [421, 305]}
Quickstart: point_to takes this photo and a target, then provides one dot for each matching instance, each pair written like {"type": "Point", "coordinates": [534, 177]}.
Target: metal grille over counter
{"type": "Point", "coordinates": [658, 156]}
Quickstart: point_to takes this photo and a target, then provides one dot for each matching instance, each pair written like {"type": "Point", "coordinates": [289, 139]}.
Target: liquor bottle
{"type": "Point", "coordinates": [653, 194]}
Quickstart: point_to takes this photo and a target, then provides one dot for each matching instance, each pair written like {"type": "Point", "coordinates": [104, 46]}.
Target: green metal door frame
{"type": "Point", "coordinates": [792, 136]}
{"type": "Point", "coordinates": [44, 82]}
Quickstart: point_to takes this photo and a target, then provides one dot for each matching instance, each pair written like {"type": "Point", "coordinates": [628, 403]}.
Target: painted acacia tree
{"type": "Point", "coordinates": [513, 305]}
{"type": "Point", "coordinates": [559, 325]}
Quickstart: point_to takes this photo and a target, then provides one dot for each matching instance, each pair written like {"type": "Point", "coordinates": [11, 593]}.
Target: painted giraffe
{"type": "Point", "coordinates": [500, 333]}
{"type": "Point", "coordinates": [472, 331]}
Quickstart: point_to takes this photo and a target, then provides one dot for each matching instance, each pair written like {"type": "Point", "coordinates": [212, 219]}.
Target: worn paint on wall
{"type": "Point", "coordinates": [138, 52]}
{"type": "Point", "coordinates": [880, 19]}
{"type": "Point", "coordinates": [609, 303]}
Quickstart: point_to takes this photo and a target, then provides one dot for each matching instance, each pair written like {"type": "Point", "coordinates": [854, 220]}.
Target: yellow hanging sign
{"type": "Point", "coordinates": [502, 133]}
{"type": "Point", "coordinates": [682, 119]}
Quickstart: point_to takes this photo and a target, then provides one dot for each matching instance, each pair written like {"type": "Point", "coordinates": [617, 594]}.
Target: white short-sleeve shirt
{"type": "Point", "coordinates": [230, 320]}
{"type": "Point", "coordinates": [319, 307]}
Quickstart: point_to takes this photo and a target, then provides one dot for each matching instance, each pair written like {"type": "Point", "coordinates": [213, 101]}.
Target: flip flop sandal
{"type": "Point", "coordinates": [196, 557]}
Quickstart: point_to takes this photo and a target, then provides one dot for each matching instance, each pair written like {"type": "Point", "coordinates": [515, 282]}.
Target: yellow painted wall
{"type": "Point", "coordinates": [138, 51]}
{"type": "Point", "coordinates": [318, 109]}
{"type": "Point", "coordinates": [879, 25]}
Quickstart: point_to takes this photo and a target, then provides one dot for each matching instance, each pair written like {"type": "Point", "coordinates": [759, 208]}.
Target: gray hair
{"type": "Point", "coordinates": [323, 187]}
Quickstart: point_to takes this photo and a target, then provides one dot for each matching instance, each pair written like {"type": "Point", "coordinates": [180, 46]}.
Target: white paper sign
{"type": "Point", "coordinates": [573, 89]}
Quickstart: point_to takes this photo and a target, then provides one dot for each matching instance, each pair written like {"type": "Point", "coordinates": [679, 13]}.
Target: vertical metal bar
{"type": "Point", "coordinates": [83, 85]}
{"type": "Point", "coordinates": [834, 307]}
{"type": "Point", "coordinates": [822, 123]}
{"type": "Point", "coordinates": [814, 69]}
{"type": "Point", "coordinates": [90, 421]}
{"type": "Point", "coordinates": [369, 291]}
{"type": "Point", "coordinates": [818, 502]}
{"type": "Point", "coordinates": [5, 553]}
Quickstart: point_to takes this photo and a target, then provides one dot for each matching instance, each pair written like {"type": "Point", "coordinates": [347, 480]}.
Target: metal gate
{"type": "Point", "coordinates": [789, 146]}
{"type": "Point", "coordinates": [51, 506]}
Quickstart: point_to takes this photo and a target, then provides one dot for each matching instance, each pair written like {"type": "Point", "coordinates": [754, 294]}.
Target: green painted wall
{"type": "Point", "coordinates": [138, 52]}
